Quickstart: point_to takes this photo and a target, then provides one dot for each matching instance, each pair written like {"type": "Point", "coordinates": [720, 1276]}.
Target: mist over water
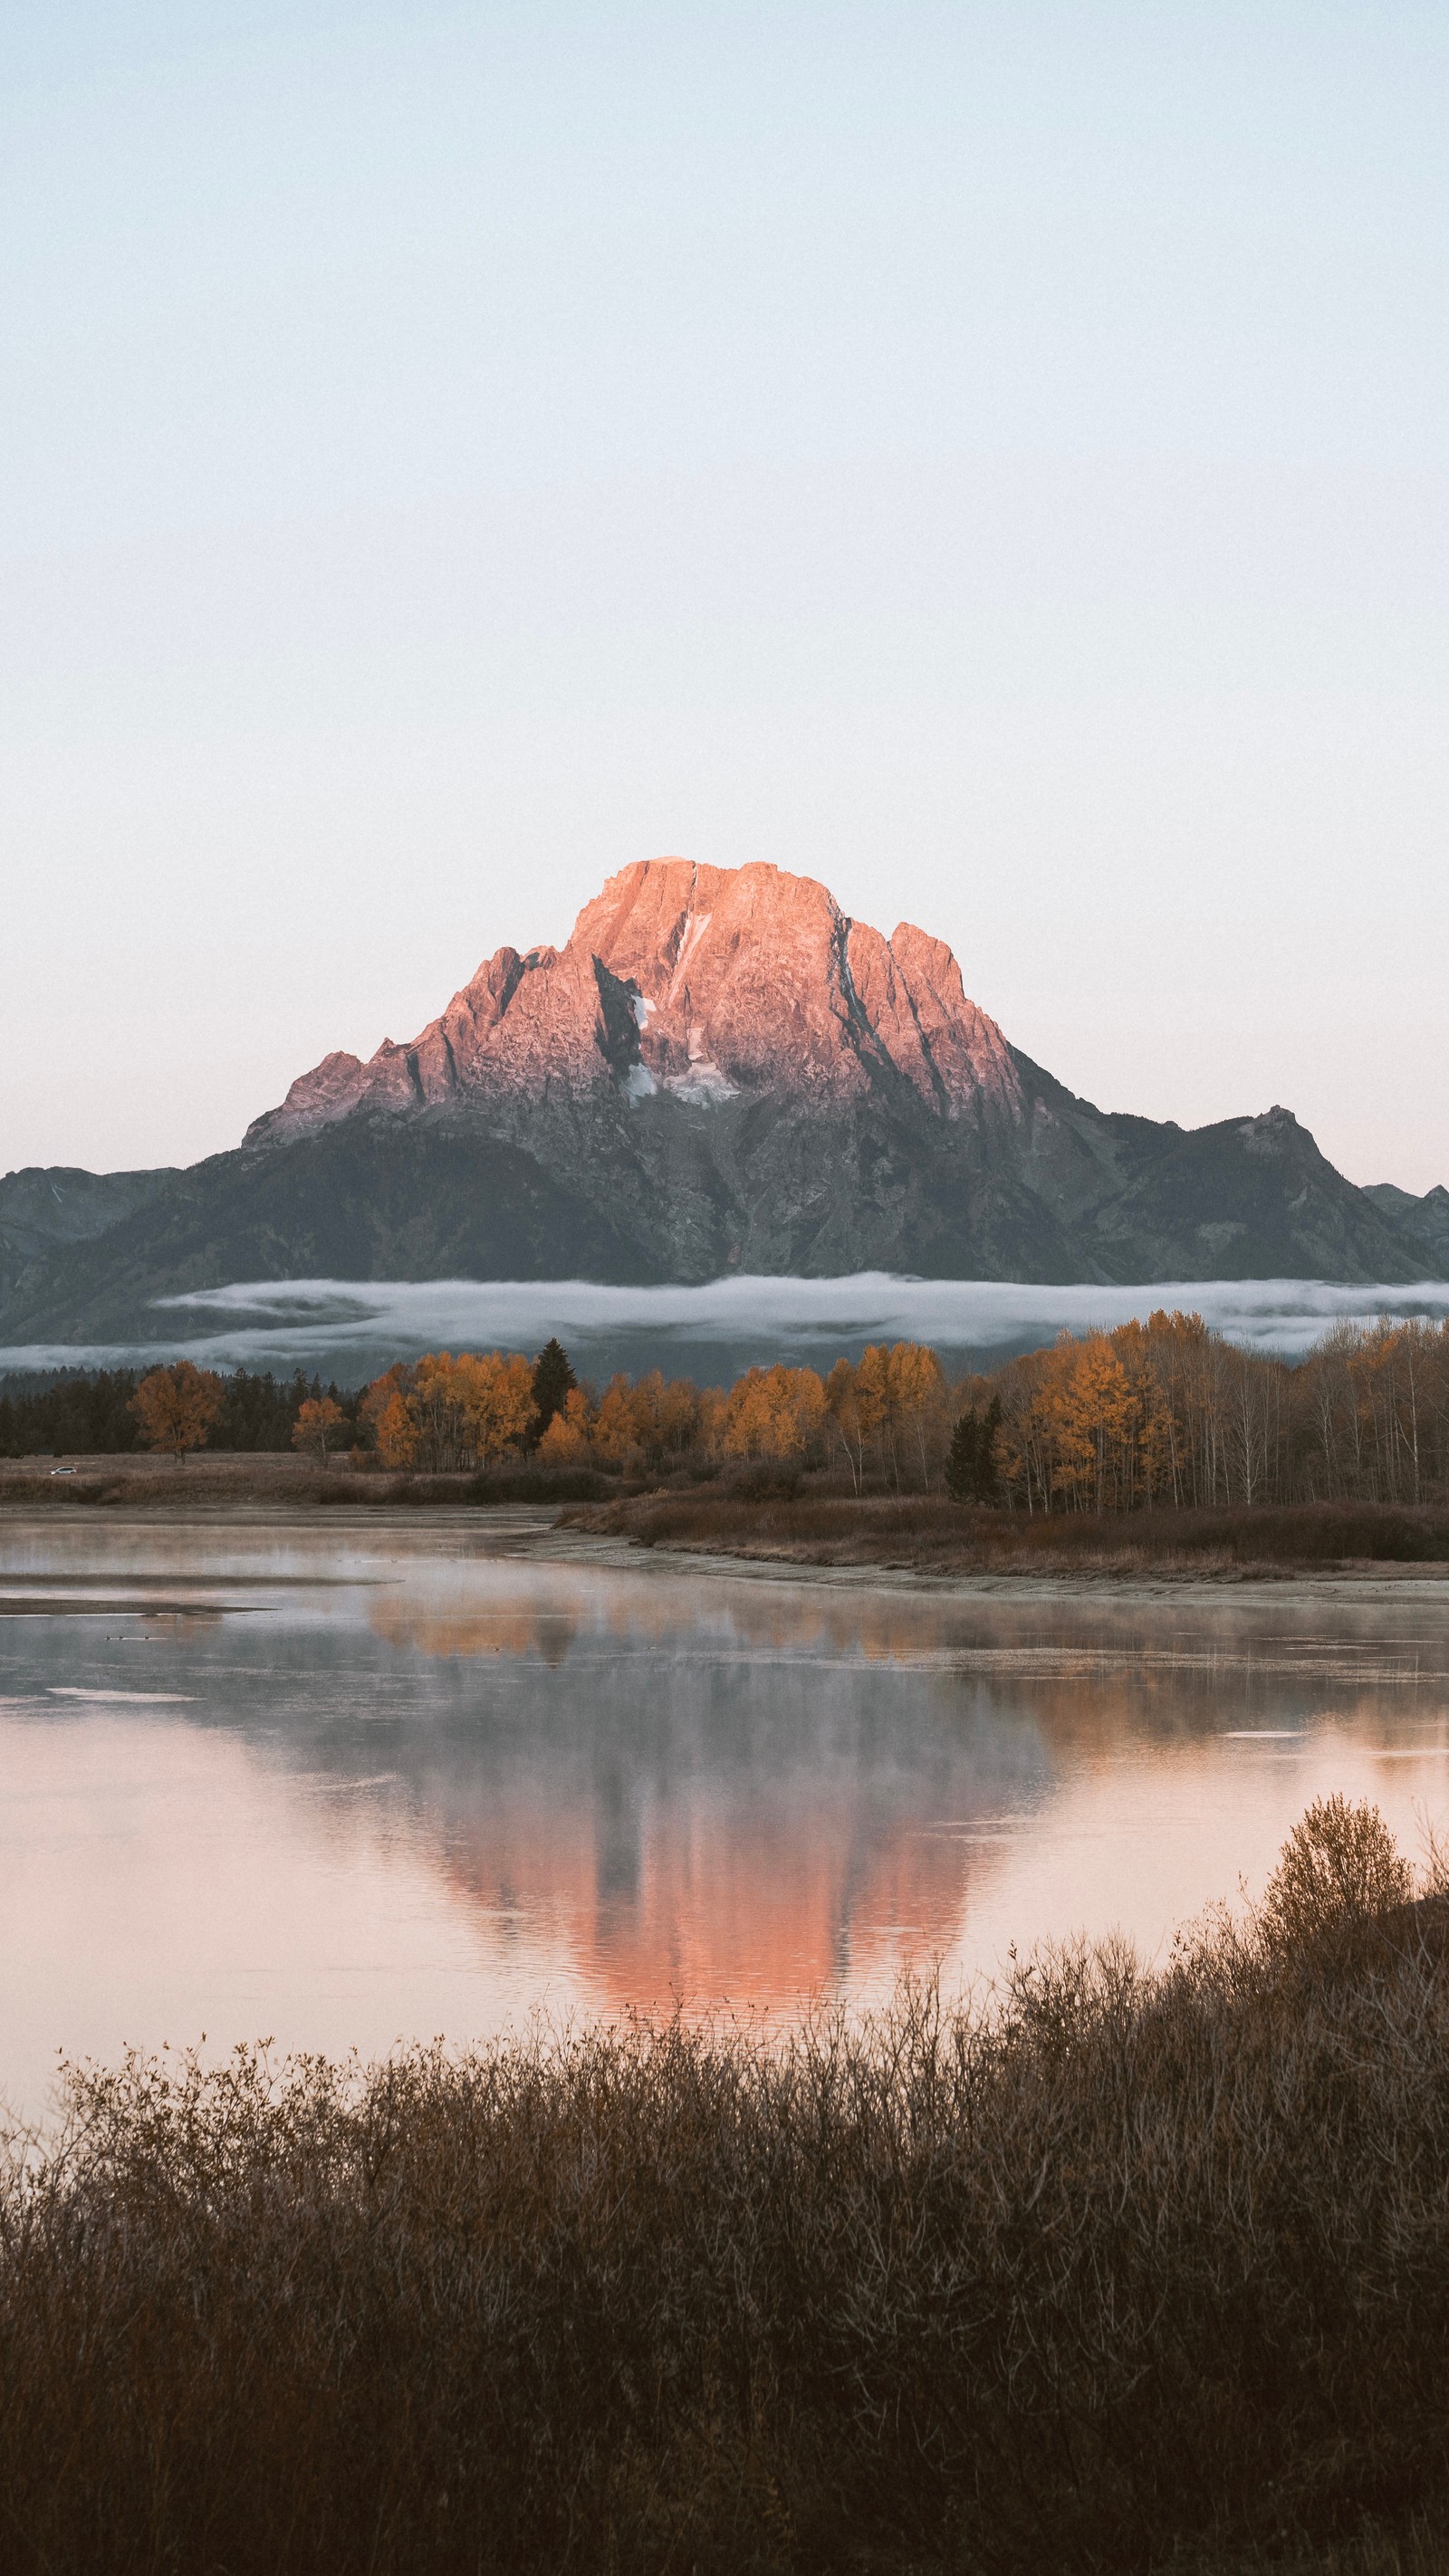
{"type": "Point", "coordinates": [351, 1329]}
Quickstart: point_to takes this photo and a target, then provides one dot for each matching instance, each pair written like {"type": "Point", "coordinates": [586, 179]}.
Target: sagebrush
{"type": "Point", "coordinates": [1117, 2268]}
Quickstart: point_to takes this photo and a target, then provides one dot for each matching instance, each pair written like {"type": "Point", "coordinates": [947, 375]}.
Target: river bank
{"type": "Point", "coordinates": [745, 1523]}
{"type": "Point", "coordinates": [926, 1534]}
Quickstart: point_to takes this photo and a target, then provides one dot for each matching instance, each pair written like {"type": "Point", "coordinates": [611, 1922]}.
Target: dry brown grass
{"type": "Point", "coordinates": [1421, 2550]}
{"type": "Point", "coordinates": [1130, 2270]}
{"type": "Point", "coordinates": [766, 1517]}
{"type": "Point", "coordinates": [929, 1534]}
{"type": "Point", "coordinates": [205, 1481]}
{"type": "Point", "coordinates": [214, 1481]}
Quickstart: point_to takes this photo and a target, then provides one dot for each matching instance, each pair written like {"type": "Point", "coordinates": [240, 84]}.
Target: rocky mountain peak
{"type": "Point", "coordinates": [719, 1073]}
{"type": "Point", "coordinates": [707, 984]}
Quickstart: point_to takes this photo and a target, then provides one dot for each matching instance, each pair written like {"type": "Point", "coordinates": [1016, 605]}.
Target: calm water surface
{"type": "Point", "coordinates": [346, 1787]}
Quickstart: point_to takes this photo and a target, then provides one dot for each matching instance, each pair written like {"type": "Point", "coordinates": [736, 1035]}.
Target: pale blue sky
{"type": "Point", "coordinates": [991, 458]}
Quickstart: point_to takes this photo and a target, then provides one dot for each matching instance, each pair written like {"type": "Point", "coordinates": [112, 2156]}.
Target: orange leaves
{"type": "Point", "coordinates": [565, 1443]}
{"type": "Point", "coordinates": [1164, 1411]}
{"type": "Point", "coordinates": [1161, 1412]}
{"type": "Point", "coordinates": [397, 1433]}
{"type": "Point", "coordinates": [891, 1406]}
{"type": "Point", "coordinates": [318, 1423]}
{"type": "Point", "coordinates": [666, 1416]}
{"type": "Point", "coordinates": [772, 1413]}
{"type": "Point", "coordinates": [445, 1412]}
{"type": "Point", "coordinates": [613, 1435]}
{"type": "Point", "coordinates": [647, 1424]}
{"type": "Point", "coordinates": [384, 1410]}
{"type": "Point", "coordinates": [1087, 1423]}
{"type": "Point", "coordinates": [177, 1406]}
{"type": "Point", "coordinates": [496, 1403]}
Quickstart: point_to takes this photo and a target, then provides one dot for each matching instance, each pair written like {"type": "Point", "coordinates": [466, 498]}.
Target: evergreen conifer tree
{"type": "Point", "coordinates": [972, 1475]}
{"type": "Point", "coordinates": [553, 1380]}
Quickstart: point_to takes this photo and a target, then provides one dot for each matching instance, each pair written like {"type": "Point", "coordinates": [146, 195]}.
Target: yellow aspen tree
{"type": "Point", "coordinates": [318, 1424]}
{"type": "Point", "coordinates": [873, 1401]}
{"type": "Point", "coordinates": [495, 1397]}
{"type": "Point", "coordinates": [773, 1413]}
{"type": "Point", "coordinates": [565, 1443]}
{"type": "Point", "coordinates": [843, 1414]}
{"type": "Point", "coordinates": [615, 1435]}
{"type": "Point", "coordinates": [916, 1393]}
{"type": "Point", "coordinates": [397, 1433]}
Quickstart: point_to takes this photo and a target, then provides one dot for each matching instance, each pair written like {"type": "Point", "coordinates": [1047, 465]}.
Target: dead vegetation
{"type": "Point", "coordinates": [771, 1513]}
{"type": "Point", "coordinates": [927, 1533]}
{"type": "Point", "coordinates": [1125, 2270]}
{"type": "Point", "coordinates": [249, 1480]}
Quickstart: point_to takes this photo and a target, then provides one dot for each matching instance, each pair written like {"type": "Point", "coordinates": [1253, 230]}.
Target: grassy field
{"type": "Point", "coordinates": [1124, 2270]}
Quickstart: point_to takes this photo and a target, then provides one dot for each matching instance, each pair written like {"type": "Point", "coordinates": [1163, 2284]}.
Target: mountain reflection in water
{"type": "Point", "coordinates": [403, 1785]}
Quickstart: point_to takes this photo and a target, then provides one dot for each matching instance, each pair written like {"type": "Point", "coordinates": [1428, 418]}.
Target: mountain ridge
{"type": "Point", "coordinates": [719, 1070]}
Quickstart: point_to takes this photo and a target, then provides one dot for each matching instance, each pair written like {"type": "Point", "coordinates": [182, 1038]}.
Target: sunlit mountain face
{"type": "Point", "coordinates": [718, 1075]}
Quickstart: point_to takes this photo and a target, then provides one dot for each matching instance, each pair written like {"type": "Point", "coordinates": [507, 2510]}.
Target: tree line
{"type": "Point", "coordinates": [1157, 1414]}
{"type": "Point", "coordinates": [1162, 1413]}
{"type": "Point", "coordinates": [92, 1413]}
{"type": "Point", "coordinates": [1170, 1413]}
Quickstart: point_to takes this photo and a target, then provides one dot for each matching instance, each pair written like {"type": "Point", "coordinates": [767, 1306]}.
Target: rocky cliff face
{"type": "Point", "coordinates": [701, 984]}
{"type": "Point", "coordinates": [718, 1071]}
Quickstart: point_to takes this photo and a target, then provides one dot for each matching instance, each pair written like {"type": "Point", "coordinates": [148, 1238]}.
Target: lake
{"type": "Point", "coordinates": [345, 1786]}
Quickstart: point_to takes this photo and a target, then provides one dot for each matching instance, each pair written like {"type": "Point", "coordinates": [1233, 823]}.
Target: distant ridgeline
{"type": "Point", "coordinates": [1165, 1413]}
{"type": "Point", "coordinates": [718, 1075]}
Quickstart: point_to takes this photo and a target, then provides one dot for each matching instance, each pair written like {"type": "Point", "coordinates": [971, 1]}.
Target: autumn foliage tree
{"type": "Point", "coordinates": [319, 1425]}
{"type": "Point", "coordinates": [1161, 1413]}
{"type": "Point", "coordinates": [177, 1406]}
{"type": "Point", "coordinates": [888, 1410]}
{"type": "Point", "coordinates": [775, 1413]}
{"type": "Point", "coordinates": [384, 1415]}
{"type": "Point", "coordinates": [567, 1441]}
{"type": "Point", "coordinates": [444, 1411]}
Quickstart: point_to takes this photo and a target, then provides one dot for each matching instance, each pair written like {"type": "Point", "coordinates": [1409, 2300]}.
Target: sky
{"type": "Point", "coordinates": [994, 459]}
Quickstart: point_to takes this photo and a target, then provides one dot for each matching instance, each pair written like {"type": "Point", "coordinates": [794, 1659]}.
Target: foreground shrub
{"type": "Point", "coordinates": [1129, 2266]}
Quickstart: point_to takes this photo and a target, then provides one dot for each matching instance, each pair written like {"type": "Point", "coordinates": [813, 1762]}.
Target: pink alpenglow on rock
{"type": "Point", "coordinates": [706, 983]}
{"type": "Point", "coordinates": [719, 1075]}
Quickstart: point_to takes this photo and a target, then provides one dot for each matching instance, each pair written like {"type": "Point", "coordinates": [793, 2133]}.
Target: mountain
{"type": "Point", "coordinates": [718, 1071]}
{"type": "Point", "coordinates": [42, 1211]}
{"type": "Point", "coordinates": [1423, 1222]}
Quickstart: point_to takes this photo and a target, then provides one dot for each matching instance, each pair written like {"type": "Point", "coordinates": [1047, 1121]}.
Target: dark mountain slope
{"type": "Point", "coordinates": [371, 1202]}
{"type": "Point", "coordinates": [44, 1210]}
{"type": "Point", "coordinates": [1423, 1222]}
{"type": "Point", "coordinates": [1243, 1199]}
{"type": "Point", "coordinates": [718, 1072]}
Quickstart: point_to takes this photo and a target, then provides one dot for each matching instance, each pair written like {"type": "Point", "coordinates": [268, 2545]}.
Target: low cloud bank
{"type": "Point", "coordinates": [349, 1329]}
